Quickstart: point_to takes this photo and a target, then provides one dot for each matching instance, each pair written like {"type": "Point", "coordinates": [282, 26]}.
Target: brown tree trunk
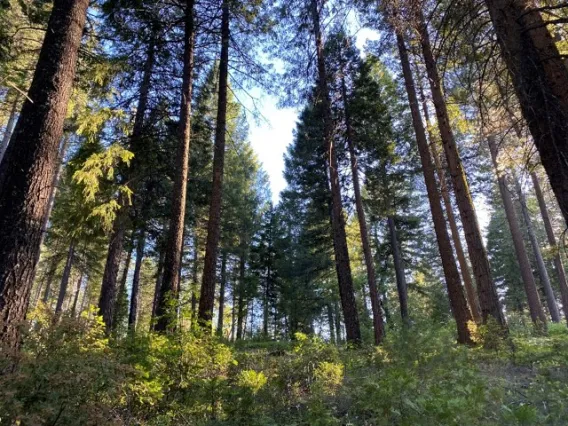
{"type": "Point", "coordinates": [159, 274]}
{"type": "Point", "coordinates": [30, 162]}
{"type": "Point", "coordinates": [222, 294]}
{"type": "Point", "coordinates": [107, 297]}
{"type": "Point", "coordinates": [341, 251]}
{"type": "Point", "coordinates": [207, 297]}
{"type": "Point", "coordinates": [135, 295]}
{"type": "Point", "coordinates": [401, 284]}
{"type": "Point", "coordinates": [487, 292]}
{"type": "Point", "coordinates": [471, 293]}
{"type": "Point", "coordinates": [540, 79]}
{"type": "Point", "coordinates": [540, 266]}
{"type": "Point", "coordinates": [9, 126]}
{"type": "Point", "coordinates": [65, 278]}
{"type": "Point", "coordinates": [535, 307]}
{"type": "Point", "coordinates": [378, 323]}
{"type": "Point", "coordinates": [76, 296]}
{"type": "Point", "coordinates": [122, 294]}
{"type": "Point", "coordinates": [172, 261]}
{"type": "Point", "coordinates": [458, 302]}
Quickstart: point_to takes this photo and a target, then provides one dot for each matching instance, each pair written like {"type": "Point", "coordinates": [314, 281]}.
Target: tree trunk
{"type": "Point", "coordinates": [341, 251]}
{"type": "Point", "coordinates": [222, 294]}
{"type": "Point", "coordinates": [30, 162]}
{"type": "Point", "coordinates": [240, 299]}
{"type": "Point", "coordinates": [174, 247]}
{"type": "Point", "coordinates": [120, 303]}
{"type": "Point", "coordinates": [135, 295]}
{"type": "Point", "coordinates": [540, 266]}
{"type": "Point", "coordinates": [331, 324]}
{"type": "Point", "coordinates": [337, 316]}
{"type": "Point", "coordinates": [540, 79]}
{"type": "Point", "coordinates": [558, 265]}
{"type": "Point", "coordinates": [458, 302]}
{"type": "Point", "coordinates": [107, 297]}
{"type": "Point", "coordinates": [207, 297]}
{"type": "Point", "coordinates": [49, 281]}
{"type": "Point", "coordinates": [378, 323]}
{"type": "Point", "coordinates": [487, 292]}
{"type": "Point", "coordinates": [9, 126]}
{"type": "Point", "coordinates": [159, 274]}
{"type": "Point", "coordinates": [76, 296]}
{"type": "Point", "coordinates": [471, 293]}
{"type": "Point", "coordinates": [401, 285]}
{"type": "Point", "coordinates": [266, 303]}
{"type": "Point", "coordinates": [234, 314]}
{"type": "Point", "coordinates": [535, 307]}
{"type": "Point", "coordinates": [65, 278]}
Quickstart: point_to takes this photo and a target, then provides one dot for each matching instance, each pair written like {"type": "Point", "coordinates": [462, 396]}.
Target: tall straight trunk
{"type": "Point", "coordinates": [471, 293]}
{"type": "Point", "coordinates": [558, 265]}
{"type": "Point", "coordinates": [378, 323]}
{"type": "Point", "coordinates": [76, 295]}
{"type": "Point", "coordinates": [207, 297]}
{"type": "Point", "coordinates": [487, 292]}
{"type": "Point", "coordinates": [222, 293]}
{"type": "Point", "coordinates": [174, 247]}
{"type": "Point", "coordinates": [233, 314]}
{"type": "Point", "coordinates": [30, 161]}
{"type": "Point", "coordinates": [157, 287]}
{"type": "Point", "coordinates": [337, 316]}
{"type": "Point", "coordinates": [240, 299]}
{"type": "Point", "coordinates": [194, 279]}
{"type": "Point", "coordinates": [331, 323]}
{"type": "Point", "coordinates": [135, 294]}
{"type": "Point", "coordinates": [540, 266]}
{"type": "Point", "coordinates": [458, 302]}
{"type": "Point", "coordinates": [65, 278]}
{"type": "Point", "coordinates": [49, 281]}
{"type": "Point", "coordinates": [341, 251]}
{"type": "Point", "coordinates": [401, 284]}
{"type": "Point", "coordinates": [540, 79]}
{"type": "Point", "coordinates": [122, 293]}
{"type": "Point", "coordinates": [9, 126]}
{"type": "Point", "coordinates": [116, 246]}
{"type": "Point", "coordinates": [535, 307]}
{"type": "Point", "coordinates": [266, 303]}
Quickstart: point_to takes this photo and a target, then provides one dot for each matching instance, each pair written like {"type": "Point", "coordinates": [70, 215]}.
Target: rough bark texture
{"type": "Point", "coordinates": [135, 294]}
{"type": "Point", "coordinates": [30, 161]}
{"type": "Point", "coordinates": [222, 294]}
{"type": "Point", "coordinates": [107, 297]}
{"type": "Point", "coordinates": [65, 278]}
{"type": "Point", "coordinates": [535, 307]}
{"type": "Point", "coordinates": [341, 251]}
{"type": "Point", "coordinates": [540, 79]}
{"type": "Point", "coordinates": [9, 126]}
{"type": "Point", "coordinates": [458, 302]}
{"type": "Point", "coordinates": [487, 292]}
{"type": "Point", "coordinates": [378, 323]}
{"type": "Point", "coordinates": [174, 246]}
{"type": "Point", "coordinates": [401, 284]}
{"type": "Point", "coordinates": [558, 265]}
{"type": "Point", "coordinates": [540, 266]}
{"type": "Point", "coordinates": [207, 297]}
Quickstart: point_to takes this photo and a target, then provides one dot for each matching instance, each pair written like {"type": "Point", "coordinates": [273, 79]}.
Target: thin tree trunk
{"type": "Point", "coordinates": [458, 302]}
{"type": "Point", "coordinates": [240, 298]}
{"type": "Point", "coordinates": [331, 324]}
{"type": "Point", "coordinates": [30, 162]}
{"type": "Point", "coordinates": [159, 274]}
{"type": "Point", "coordinates": [9, 126]}
{"type": "Point", "coordinates": [222, 293]}
{"type": "Point", "coordinates": [233, 314]}
{"type": "Point", "coordinates": [471, 293]}
{"type": "Point", "coordinates": [65, 278]}
{"type": "Point", "coordinates": [541, 267]}
{"type": "Point", "coordinates": [207, 297]}
{"type": "Point", "coordinates": [172, 261]}
{"type": "Point", "coordinates": [337, 315]}
{"type": "Point", "coordinates": [342, 265]}
{"type": "Point", "coordinates": [76, 296]}
{"type": "Point", "coordinates": [558, 265]}
{"type": "Point", "coordinates": [487, 292]}
{"type": "Point", "coordinates": [49, 281]}
{"type": "Point", "coordinates": [401, 284]}
{"type": "Point", "coordinates": [540, 80]}
{"type": "Point", "coordinates": [122, 294]}
{"type": "Point", "coordinates": [266, 303]}
{"type": "Point", "coordinates": [135, 295]}
{"type": "Point", "coordinates": [535, 307]}
{"type": "Point", "coordinates": [378, 323]}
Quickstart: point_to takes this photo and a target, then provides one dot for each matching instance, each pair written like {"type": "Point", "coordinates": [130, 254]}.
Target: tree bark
{"type": "Point", "coordinates": [135, 294]}
{"type": "Point", "coordinates": [401, 284]}
{"type": "Point", "coordinates": [65, 278]}
{"type": "Point", "coordinates": [540, 80]}
{"type": "Point", "coordinates": [172, 261]}
{"type": "Point", "coordinates": [49, 281]}
{"type": "Point", "coordinates": [9, 126]}
{"type": "Point", "coordinates": [240, 298]}
{"type": "Point", "coordinates": [487, 292]}
{"type": "Point", "coordinates": [558, 265]}
{"type": "Point", "coordinates": [458, 302]}
{"type": "Point", "coordinates": [535, 307]}
{"type": "Point", "coordinates": [540, 266]}
{"type": "Point", "coordinates": [341, 251]}
{"type": "Point", "coordinates": [76, 296]}
{"type": "Point", "coordinates": [222, 294]}
{"type": "Point", "coordinates": [207, 297]}
{"type": "Point", "coordinates": [30, 162]}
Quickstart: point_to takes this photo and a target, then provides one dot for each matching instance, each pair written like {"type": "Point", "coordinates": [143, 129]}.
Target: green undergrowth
{"type": "Point", "coordinates": [71, 374]}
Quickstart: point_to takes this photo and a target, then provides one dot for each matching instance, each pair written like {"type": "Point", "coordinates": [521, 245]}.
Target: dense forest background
{"type": "Point", "coordinates": [148, 277]}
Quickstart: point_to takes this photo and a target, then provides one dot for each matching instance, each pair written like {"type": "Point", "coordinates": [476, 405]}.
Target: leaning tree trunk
{"type": "Point", "coordinates": [458, 302]}
{"type": "Point", "coordinates": [174, 247]}
{"type": "Point", "coordinates": [540, 79]}
{"type": "Point", "coordinates": [540, 266]}
{"type": "Point", "coordinates": [222, 293]}
{"type": "Point", "coordinates": [378, 324]}
{"type": "Point", "coordinates": [30, 161]}
{"type": "Point", "coordinates": [535, 307]}
{"type": "Point", "coordinates": [487, 292]}
{"type": "Point", "coordinates": [135, 295]}
{"type": "Point", "coordinates": [65, 278]}
{"type": "Point", "coordinates": [558, 265]}
{"type": "Point", "coordinates": [341, 251]}
{"type": "Point", "coordinates": [207, 296]}
{"type": "Point", "coordinates": [9, 126]}
{"type": "Point", "coordinates": [401, 285]}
